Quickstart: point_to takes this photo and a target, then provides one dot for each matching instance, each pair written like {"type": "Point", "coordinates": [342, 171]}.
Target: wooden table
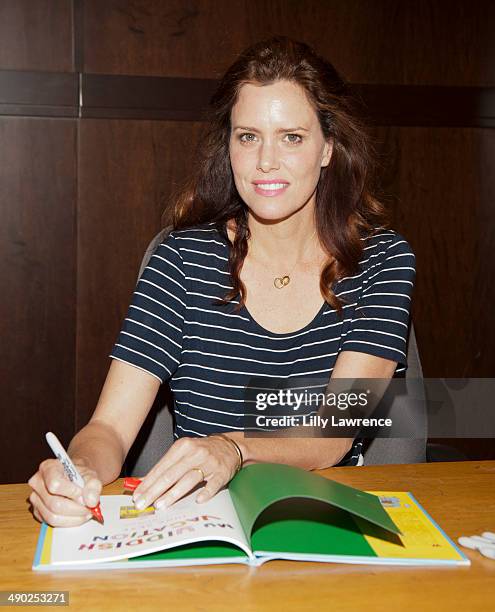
{"type": "Point", "coordinates": [459, 496]}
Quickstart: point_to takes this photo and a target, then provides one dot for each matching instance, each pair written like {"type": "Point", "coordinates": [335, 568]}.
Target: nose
{"type": "Point", "coordinates": [268, 158]}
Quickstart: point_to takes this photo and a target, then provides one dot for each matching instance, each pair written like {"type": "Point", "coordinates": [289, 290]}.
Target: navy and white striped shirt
{"type": "Point", "coordinates": [208, 353]}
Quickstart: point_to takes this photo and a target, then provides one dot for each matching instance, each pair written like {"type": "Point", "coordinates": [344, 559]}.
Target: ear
{"type": "Point", "coordinates": [327, 153]}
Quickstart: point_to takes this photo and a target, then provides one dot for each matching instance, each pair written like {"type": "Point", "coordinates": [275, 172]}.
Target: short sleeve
{"type": "Point", "coordinates": [151, 334]}
{"type": "Point", "coordinates": [380, 324]}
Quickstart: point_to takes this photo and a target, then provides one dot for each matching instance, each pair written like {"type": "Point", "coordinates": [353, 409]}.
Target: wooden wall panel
{"type": "Point", "coordinates": [441, 187]}
{"type": "Point", "coordinates": [37, 272]}
{"type": "Point", "coordinates": [127, 170]}
{"type": "Point", "coordinates": [36, 35]}
{"type": "Point", "coordinates": [442, 203]}
{"type": "Point", "coordinates": [190, 38]}
{"type": "Point", "coordinates": [447, 42]}
{"type": "Point", "coordinates": [437, 42]}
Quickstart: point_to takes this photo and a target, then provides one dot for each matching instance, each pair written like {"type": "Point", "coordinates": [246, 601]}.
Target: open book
{"type": "Point", "coordinates": [268, 511]}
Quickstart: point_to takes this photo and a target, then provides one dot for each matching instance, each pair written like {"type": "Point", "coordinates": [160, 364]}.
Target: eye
{"type": "Point", "coordinates": [294, 138]}
{"type": "Point", "coordinates": [243, 139]}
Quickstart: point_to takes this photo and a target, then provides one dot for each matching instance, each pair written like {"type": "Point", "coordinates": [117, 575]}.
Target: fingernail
{"type": "Point", "coordinates": [92, 501]}
{"type": "Point", "coordinates": [201, 498]}
{"type": "Point", "coordinates": [140, 503]}
{"type": "Point", "coordinates": [160, 504]}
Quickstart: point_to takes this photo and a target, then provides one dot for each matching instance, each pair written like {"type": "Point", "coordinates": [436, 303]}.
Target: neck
{"type": "Point", "coordinates": [284, 242]}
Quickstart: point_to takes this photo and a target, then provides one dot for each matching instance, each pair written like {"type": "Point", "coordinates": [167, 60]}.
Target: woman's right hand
{"type": "Point", "coordinates": [60, 502]}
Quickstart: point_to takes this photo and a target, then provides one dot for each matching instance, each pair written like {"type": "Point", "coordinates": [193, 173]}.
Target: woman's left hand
{"type": "Point", "coordinates": [186, 464]}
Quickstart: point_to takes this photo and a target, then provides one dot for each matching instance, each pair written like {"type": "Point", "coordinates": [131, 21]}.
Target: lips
{"type": "Point", "coordinates": [270, 188]}
{"type": "Point", "coordinates": [270, 181]}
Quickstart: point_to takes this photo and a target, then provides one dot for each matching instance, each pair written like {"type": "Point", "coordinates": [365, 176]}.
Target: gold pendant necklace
{"type": "Point", "coordinates": [282, 281]}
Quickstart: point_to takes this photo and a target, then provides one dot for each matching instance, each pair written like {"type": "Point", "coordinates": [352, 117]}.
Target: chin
{"type": "Point", "coordinates": [269, 216]}
{"type": "Point", "coordinates": [272, 212]}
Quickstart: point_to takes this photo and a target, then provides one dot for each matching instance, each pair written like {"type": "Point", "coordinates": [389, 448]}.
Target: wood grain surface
{"type": "Point", "coordinates": [36, 35]}
{"type": "Point", "coordinates": [38, 304]}
{"type": "Point", "coordinates": [127, 171]}
{"type": "Point", "coordinates": [428, 42]}
{"type": "Point", "coordinates": [459, 496]}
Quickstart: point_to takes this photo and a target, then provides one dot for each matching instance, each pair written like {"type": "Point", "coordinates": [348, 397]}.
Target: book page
{"type": "Point", "coordinates": [421, 537]}
{"type": "Point", "coordinates": [300, 529]}
{"type": "Point", "coordinates": [257, 487]}
{"type": "Point", "coordinates": [128, 532]}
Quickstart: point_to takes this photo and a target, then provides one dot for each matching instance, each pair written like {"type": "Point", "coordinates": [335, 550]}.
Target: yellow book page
{"type": "Point", "coordinates": [421, 538]}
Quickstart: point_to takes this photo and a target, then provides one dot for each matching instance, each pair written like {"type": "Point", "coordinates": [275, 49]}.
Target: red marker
{"type": "Point", "coordinates": [70, 470]}
{"type": "Point", "coordinates": [96, 512]}
{"type": "Point", "coordinates": [131, 484]}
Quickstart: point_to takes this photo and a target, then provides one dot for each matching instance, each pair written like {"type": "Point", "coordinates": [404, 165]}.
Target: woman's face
{"type": "Point", "coordinates": [277, 149]}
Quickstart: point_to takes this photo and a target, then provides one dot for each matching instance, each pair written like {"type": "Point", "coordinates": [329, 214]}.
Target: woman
{"type": "Point", "coordinates": [278, 266]}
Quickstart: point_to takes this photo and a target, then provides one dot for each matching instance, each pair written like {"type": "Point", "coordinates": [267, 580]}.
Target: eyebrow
{"type": "Point", "coordinates": [281, 130]}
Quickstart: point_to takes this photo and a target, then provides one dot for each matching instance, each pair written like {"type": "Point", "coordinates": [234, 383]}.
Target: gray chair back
{"type": "Point", "coordinates": [156, 435]}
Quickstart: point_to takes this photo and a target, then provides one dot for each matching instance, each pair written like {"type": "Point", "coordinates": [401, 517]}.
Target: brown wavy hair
{"type": "Point", "coordinates": [345, 208]}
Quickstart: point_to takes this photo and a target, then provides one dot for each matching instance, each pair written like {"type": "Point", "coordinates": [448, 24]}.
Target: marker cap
{"type": "Point", "coordinates": [131, 484]}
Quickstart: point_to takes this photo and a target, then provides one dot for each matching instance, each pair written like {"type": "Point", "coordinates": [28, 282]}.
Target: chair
{"type": "Point", "coordinates": [156, 435]}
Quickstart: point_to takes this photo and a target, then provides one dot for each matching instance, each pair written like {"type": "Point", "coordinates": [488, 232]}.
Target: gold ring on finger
{"type": "Point", "coordinates": [198, 469]}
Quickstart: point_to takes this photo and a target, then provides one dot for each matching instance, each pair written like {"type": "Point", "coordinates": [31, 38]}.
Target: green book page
{"type": "Point", "coordinates": [256, 487]}
{"type": "Point", "coordinates": [307, 526]}
{"type": "Point", "coordinates": [202, 550]}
